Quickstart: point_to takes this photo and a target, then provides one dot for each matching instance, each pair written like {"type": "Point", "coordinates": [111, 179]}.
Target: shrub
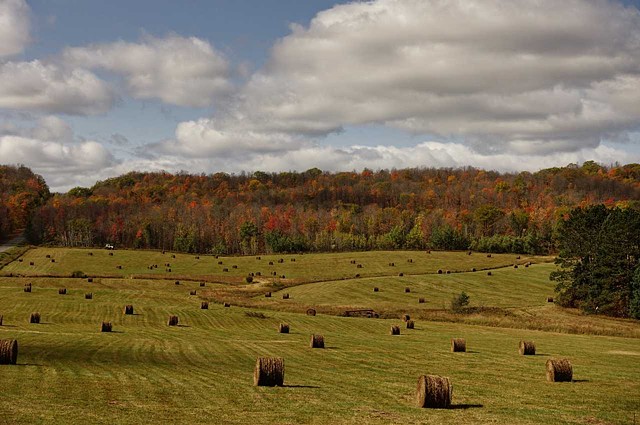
{"type": "Point", "coordinates": [459, 302]}
{"type": "Point", "coordinates": [78, 274]}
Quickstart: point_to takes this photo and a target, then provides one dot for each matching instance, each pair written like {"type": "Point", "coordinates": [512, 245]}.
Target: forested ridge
{"type": "Point", "coordinates": [321, 211]}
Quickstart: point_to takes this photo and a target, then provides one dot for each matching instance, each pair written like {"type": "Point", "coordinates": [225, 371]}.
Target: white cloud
{"type": "Point", "coordinates": [14, 26]}
{"type": "Point", "coordinates": [177, 70]}
{"type": "Point", "coordinates": [39, 86]}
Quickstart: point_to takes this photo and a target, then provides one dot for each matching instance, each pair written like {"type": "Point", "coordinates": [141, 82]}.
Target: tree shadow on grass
{"type": "Point", "coordinates": [183, 326]}
{"type": "Point", "coordinates": [542, 354]}
{"type": "Point", "coordinates": [299, 386]}
{"type": "Point", "coordinates": [466, 406]}
{"type": "Point", "coordinates": [577, 381]}
{"type": "Point", "coordinates": [8, 326]}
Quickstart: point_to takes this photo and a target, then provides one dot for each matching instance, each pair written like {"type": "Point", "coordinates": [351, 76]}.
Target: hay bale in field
{"type": "Point", "coordinates": [192, 292]}
{"type": "Point", "coordinates": [168, 270]}
{"type": "Point", "coordinates": [106, 327]}
{"type": "Point", "coordinates": [31, 263]}
{"type": "Point", "coordinates": [283, 277]}
{"type": "Point", "coordinates": [407, 290]}
{"type": "Point", "coordinates": [34, 318]}
{"type": "Point", "coordinates": [48, 256]}
{"type": "Point", "coordinates": [90, 254]}
{"type": "Point", "coordinates": [173, 256]}
{"type": "Point", "coordinates": [234, 267]}
{"type": "Point", "coordinates": [258, 258]}
{"type": "Point", "coordinates": [376, 289]}
{"type": "Point", "coordinates": [317, 341]}
{"type": "Point", "coordinates": [448, 271]}
{"type": "Point", "coordinates": [267, 295]}
{"type": "Point", "coordinates": [119, 267]}
{"type": "Point", "coordinates": [428, 251]}
{"type": "Point", "coordinates": [8, 351]}
{"type": "Point", "coordinates": [515, 266]}
{"type": "Point", "coordinates": [281, 260]}
{"type": "Point", "coordinates": [27, 287]}
{"type": "Point", "coordinates": [204, 305]}
{"type": "Point", "coordinates": [197, 257]}
{"type": "Point", "coordinates": [410, 324]}
{"type": "Point", "coordinates": [353, 261]}
{"type": "Point", "coordinates": [90, 280]}
{"type": "Point", "coordinates": [219, 263]}
{"type": "Point", "coordinates": [559, 370]}
{"type": "Point", "coordinates": [473, 269]}
{"type": "Point", "coordinates": [269, 372]}
{"type": "Point", "coordinates": [111, 254]}
{"type": "Point", "coordinates": [53, 260]}
{"type": "Point", "coordinates": [225, 269]}
{"type": "Point", "coordinates": [488, 273]}
{"type": "Point", "coordinates": [549, 299]}
{"type": "Point", "coordinates": [410, 260]}
{"type": "Point", "coordinates": [311, 312]}
{"type": "Point", "coordinates": [434, 392]}
{"type": "Point", "coordinates": [128, 309]}
{"type": "Point", "coordinates": [406, 317]}
{"type": "Point", "coordinates": [20, 260]}
{"type": "Point", "coordinates": [527, 348]}
{"type": "Point", "coordinates": [271, 263]}
{"type": "Point", "coordinates": [177, 282]}
{"type": "Point", "coordinates": [293, 260]}
{"type": "Point", "coordinates": [357, 275]}
{"type": "Point", "coordinates": [285, 296]}
{"type": "Point", "coordinates": [88, 296]}
{"type": "Point", "coordinates": [283, 328]}
{"type": "Point", "coordinates": [202, 284]}
{"type": "Point", "coordinates": [439, 271]}
{"type": "Point", "coordinates": [173, 320]}
{"type": "Point", "coordinates": [227, 305]}
{"type": "Point", "coordinates": [392, 264]}
{"type": "Point", "coordinates": [62, 291]}
{"type": "Point", "coordinates": [468, 252]}
{"type": "Point", "coordinates": [458, 345]}
{"type": "Point", "coordinates": [421, 301]}
{"type": "Point", "coordinates": [359, 266]}
{"type": "Point", "coordinates": [258, 273]}
{"type": "Point", "coordinates": [518, 257]}
{"type": "Point", "coordinates": [395, 330]}
{"type": "Point", "coordinates": [249, 279]}
{"type": "Point", "coordinates": [488, 255]}
{"type": "Point", "coordinates": [400, 274]}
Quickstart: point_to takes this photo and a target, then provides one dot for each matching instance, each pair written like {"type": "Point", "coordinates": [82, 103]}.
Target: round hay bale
{"type": "Point", "coordinates": [448, 271]}
{"type": "Point", "coordinates": [400, 274]}
{"type": "Point", "coordinates": [549, 299]}
{"type": "Point", "coordinates": [439, 271]}
{"type": "Point", "coordinates": [285, 296]}
{"type": "Point", "coordinates": [62, 291]}
{"type": "Point", "coordinates": [267, 295]}
{"type": "Point", "coordinates": [376, 289]}
{"type": "Point", "coordinates": [283, 277]}
{"type": "Point", "coordinates": [193, 292]}
{"type": "Point", "coordinates": [468, 252]}
{"type": "Point", "coordinates": [317, 341]}
{"type": "Point", "coordinates": [225, 269]}
{"type": "Point", "coordinates": [234, 267]}
{"type": "Point", "coordinates": [173, 256]}
{"type": "Point", "coordinates": [359, 266]}
{"type": "Point", "coordinates": [559, 370]}
{"type": "Point", "coordinates": [258, 274]}
{"type": "Point", "coordinates": [90, 280]}
{"type": "Point", "coordinates": [271, 263]}
{"type": "Point", "coordinates": [515, 266]}
{"type": "Point", "coordinates": [111, 254]}
{"type": "Point", "coordinates": [177, 282]}
{"type": "Point", "coordinates": [8, 351]}
{"type": "Point", "coordinates": [406, 317]}
{"type": "Point", "coordinates": [518, 257]}
{"type": "Point", "coordinates": [395, 330]}
{"type": "Point", "coordinates": [119, 267]}
{"type": "Point", "coordinates": [173, 320]}
{"type": "Point", "coordinates": [34, 318]}
{"type": "Point", "coordinates": [357, 275]}
{"type": "Point", "coordinates": [410, 324]}
{"type": "Point", "coordinates": [90, 254]}
{"type": "Point", "coordinates": [410, 260]}
{"type": "Point", "coordinates": [434, 392]}
{"type": "Point", "coordinates": [20, 260]}
{"type": "Point", "coordinates": [458, 345]}
{"type": "Point", "coordinates": [352, 261]}
{"type": "Point", "coordinates": [27, 287]}
{"type": "Point", "coordinates": [31, 263]}
{"type": "Point", "coordinates": [527, 348]}
{"type": "Point", "coordinates": [428, 251]}
{"type": "Point", "coordinates": [488, 255]}
{"type": "Point", "coordinates": [407, 290]}
{"type": "Point", "coordinates": [281, 260]}
{"type": "Point", "coordinates": [220, 263]}
{"type": "Point", "coordinates": [249, 279]}
{"type": "Point", "coordinates": [392, 264]}
{"type": "Point", "coordinates": [128, 309]}
{"type": "Point", "coordinates": [53, 260]}
{"type": "Point", "coordinates": [48, 256]}
{"type": "Point", "coordinates": [311, 312]}
{"type": "Point", "coordinates": [204, 305]}
{"type": "Point", "coordinates": [258, 258]}
{"type": "Point", "coordinates": [106, 327]}
{"type": "Point", "coordinates": [202, 284]}
{"type": "Point", "coordinates": [283, 328]}
{"type": "Point", "coordinates": [88, 296]}
{"type": "Point", "coordinates": [293, 260]}
{"type": "Point", "coordinates": [488, 273]}
{"type": "Point", "coordinates": [421, 301]}
{"type": "Point", "coordinates": [197, 257]}
{"type": "Point", "coordinates": [473, 269]}
{"type": "Point", "coordinates": [269, 372]}
{"type": "Point", "coordinates": [227, 305]}
{"type": "Point", "coordinates": [169, 270]}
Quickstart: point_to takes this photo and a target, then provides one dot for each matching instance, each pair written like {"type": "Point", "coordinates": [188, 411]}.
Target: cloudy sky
{"type": "Point", "coordinates": [92, 89]}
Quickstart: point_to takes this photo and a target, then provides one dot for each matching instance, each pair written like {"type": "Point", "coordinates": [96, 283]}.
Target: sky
{"type": "Point", "coordinates": [92, 89]}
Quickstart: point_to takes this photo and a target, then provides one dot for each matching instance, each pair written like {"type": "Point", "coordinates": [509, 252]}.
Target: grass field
{"type": "Point", "coordinates": [201, 372]}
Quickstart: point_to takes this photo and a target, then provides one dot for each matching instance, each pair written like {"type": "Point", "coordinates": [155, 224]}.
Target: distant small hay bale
{"type": "Point", "coordinates": [410, 324]}
{"type": "Point", "coordinates": [488, 255]}
{"type": "Point", "coordinates": [106, 327]}
{"type": "Point", "coordinates": [193, 292]}
{"type": "Point", "coordinates": [204, 305]}
{"type": "Point", "coordinates": [168, 270]}
{"type": "Point", "coordinates": [88, 296]}
{"type": "Point", "coordinates": [62, 291]}
{"type": "Point", "coordinates": [281, 260]}
{"type": "Point", "coordinates": [285, 296]}
{"type": "Point", "coordinates": [283, 277]}
{"type": "Point", "coordinates": [90, 254]}
{"type": "Point", "coordinates": [395, 330]}
{"type": "Point", "coordinates": [8, 351]}
{"type": "Point", "coordinates": [271, 263]}
{"type": "Point", "coordinates": [283, 328]}
{"type": "Point", "coordinates": [559, 370]}
{"type": "Point", "coordinates": [376, 289]}
{"type": "Point", "coordinates": [177, 282]}
{"type": "Point", "coordinates": [311, 312]}
{"type": "Point", "coordinates": [34, 318]}
{"type": "Point", "coordinates": [164, 252]}
{"type": "Point", "coordinates": [357, 275]}
{"type": "Point", "coordinates": [234, 267]}
{"type": "Point", "coordinates": [359, 266]}
{"type": "Point", "coordinates": [406, 317]}
{"type": "Point", "coordinates": [439, 271]}
{"type": "Point", "coordinates": [407, 290]}
{"type": "Point", "coordinates": [111, 254]}
{"type": "Point", "coordinates": [173, 256]}
{"type": "Point", "coordinates": [258, 258]}
{"type": "Point", "coordinates": [20, 260]}
{"type": "Point", "coordinates": [225, 270]}
{"type": "Point", "coordinates": [31, 263]}
{"type": "Point", "coordinates": [258, 274]}
{"type": "Point", "coordinates": [353, 261]}
{"type": "Point", "coordinates": [317, 341]}
{"type": "Point", "coordinates": [428, 251]}
{"type": "Point", "coordinates": [202, 284]}
{"type": "Point", "coordinates": [549, 299]}
{"type": "Point", "coordinates": [90, 280]}
{"type": "Point", "coordinates": [293, 260]}
{"type": "Point", "coordinates": [48, 256]}
{"type": "Point", "coordinates": [448, 271]}
{"type": "Point", "coordinates": [473, 269]}
{"type": "Point", "coordinates": [128, 309]}
{"type": "Point", "coordinates": [468, 252]}
{"type": "Point", "coordinates": [219, 263]}
{"type": "Point", "coordinates": [515, 266]}
{"type": "Point", "coordinates": [227, 305]}
{"type": "Point", "coordinates": [527, 348]}
{"type": "Point", "coordinates": [434, 392]}
{"type": "Point", "coordinates": [269, 372]}
{"type": "Point", "coordinates": [197, 257]}
{"type": "Point", "coordinates": [267, 295]}
{"type": "Point", "coordinates": [53, 260]}
{"type": "Point", "coordinates": [392, 264]}
{"type": "Point", "coordinates": [400, 274]}
{"type": "Point", "coordinates": [27, 287]}
{"type": "Point", "coordinates": [518, 257]}
{"type": "Point", "coordinates": [216, 257]}
{"type": "Point", "coordinates": [119, 267]}
{"type": "Point", "coordinates": [249, 279]}
{"type": "Point", "coordinates": [410, 260]}
{"type": "Point", "coordinates": [173, 320]}
{"type": "Point", "coordinates": [274, 274]}
{"type": "Point", "coordinates": [488, 273]}
{"type": "Point", "coordinates": [421, 301]}
{"type": "Point", "coordinates": [458, 345]}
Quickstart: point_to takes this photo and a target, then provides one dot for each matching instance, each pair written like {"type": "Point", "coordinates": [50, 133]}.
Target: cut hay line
{"type": "Point", "coordinates": [34, 318]}
{"type": "Point", "coordinates": [458, 345]}
{"type": "Point", "coordinates": [173, 320]}
{"type": "Point", "coordinates": [269, 372]}
{"type": "Point", "coordinates": [527, 348]}
{"type": "Point", "coordinates": [106, 327]}
{"type": "Point", "coordinates": [395, 330]}
{"type": "Point", "coordinates": [8, 351]}
{"type": "Point", "coordinates": [434, 392]}
{"type": "Point", "coordinates": [317, 341]}
{"type": "Point", "coordinates": [559, 370]}
{"type": "Point", "coordinates": [283, 328]}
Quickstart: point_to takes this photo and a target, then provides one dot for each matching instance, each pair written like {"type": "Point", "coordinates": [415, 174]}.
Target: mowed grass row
{"type": "Point", "coordinates": [296, 268]}
{"type": "Point", "coordinates": [201, 372]}
{"type": "Point", "coordinates": [506, 288]}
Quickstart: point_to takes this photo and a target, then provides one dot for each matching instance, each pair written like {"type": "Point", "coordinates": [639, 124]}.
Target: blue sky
{"type": "Point", "coordinates": [92, 89]}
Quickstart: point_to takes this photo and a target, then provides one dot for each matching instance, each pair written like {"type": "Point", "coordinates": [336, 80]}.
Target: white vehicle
{"type": "Point", "coordinates": [109, 246]}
